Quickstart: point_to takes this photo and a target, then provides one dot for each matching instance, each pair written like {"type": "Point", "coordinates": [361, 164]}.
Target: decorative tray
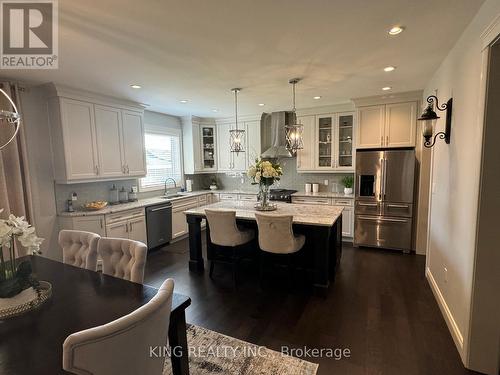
{"type": "Point", "coordinates": [28, 300]}
{"type": "Point", "coordinates": [270, 207]}
{"type": "Point", "coordinates": [95, 206]}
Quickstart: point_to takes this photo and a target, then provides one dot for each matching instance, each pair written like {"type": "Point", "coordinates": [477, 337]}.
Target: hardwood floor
{"type": "Point", "coordinates": [380, 308]}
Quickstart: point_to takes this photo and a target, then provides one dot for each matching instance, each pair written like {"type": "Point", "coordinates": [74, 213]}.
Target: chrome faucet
{"type": "Point", "coordinates": [175, 184]}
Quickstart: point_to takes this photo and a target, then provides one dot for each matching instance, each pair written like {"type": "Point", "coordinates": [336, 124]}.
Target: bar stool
{"type": "Point", "coordinates": [224, 233]}
{"type": "Point", "coordinates": [276, 237]}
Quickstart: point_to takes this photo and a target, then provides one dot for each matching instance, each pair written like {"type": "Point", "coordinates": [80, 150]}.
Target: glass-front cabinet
{"type": "Point", "coordinates": [344, 140]}
{"type": "Point", "coordinates": [334, 141]}
{"type": "Point", "coordinates": [208, 147]}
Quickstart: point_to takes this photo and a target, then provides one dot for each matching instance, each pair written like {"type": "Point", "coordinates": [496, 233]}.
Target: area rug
{"type": "Point", "coordinates": [214, 353]}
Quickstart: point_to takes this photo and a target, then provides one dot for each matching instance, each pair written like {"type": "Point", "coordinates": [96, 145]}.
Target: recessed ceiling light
{"type": "Point", "coordinates": [389, 68]}
{"type": "Point", "coordinates": [183, 101]}
{"type": "Point", "coordinates": [386, 88]}
{"type": "Point", "coordinates": [261, 104]}
{"type": "Point", "coordinates": [395, 30]}
{"type": "Point", "coordinates": [215, 110]}
{"type": "Point", "coordinates": [135, 86]}
{"type": "Point", "coordinates": [316, 97]}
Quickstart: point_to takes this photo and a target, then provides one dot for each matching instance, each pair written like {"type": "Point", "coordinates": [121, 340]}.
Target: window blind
{"type": "Point", "coordinates": [163, 160]}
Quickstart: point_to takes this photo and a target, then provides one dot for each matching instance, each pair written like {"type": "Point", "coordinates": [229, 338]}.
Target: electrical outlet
{"type": "Point", "coordinates": [445, 274]}
{"type": "Point", "coordinates": [326, 182]}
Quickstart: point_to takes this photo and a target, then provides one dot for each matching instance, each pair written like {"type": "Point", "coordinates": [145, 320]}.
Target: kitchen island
{"type": "Point", "coordinates": [322, 226]}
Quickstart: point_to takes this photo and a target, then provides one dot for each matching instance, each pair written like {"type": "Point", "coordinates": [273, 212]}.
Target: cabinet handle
{"type": "Point", "coordinates": [126, 227]}
{"type": "Point", "coordinates": [100, 222]}
{"type": "Point", "coordinates": [130, 227]}
{"type": "Point", "coordinates": [128, 170]}
{"type": "Point", "coordinates": [97, 169]}
{"type": "Point", "coordinates": [381, 140]}
{"type": "Point", "coordinates": [387, 140]}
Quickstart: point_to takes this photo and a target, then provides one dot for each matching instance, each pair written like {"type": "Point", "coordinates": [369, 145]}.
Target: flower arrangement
{"type": "Point", "coordinates": [16, 278]}
{"type": "Point", "coordinates": [264, 172]}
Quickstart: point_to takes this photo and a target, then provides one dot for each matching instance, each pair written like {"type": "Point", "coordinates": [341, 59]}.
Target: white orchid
{"type": "Point", "coordinates": [18, 227]}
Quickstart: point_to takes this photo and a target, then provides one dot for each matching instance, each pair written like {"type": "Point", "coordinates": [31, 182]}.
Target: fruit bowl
{"type": "Point", "coordinates": [94, 206]}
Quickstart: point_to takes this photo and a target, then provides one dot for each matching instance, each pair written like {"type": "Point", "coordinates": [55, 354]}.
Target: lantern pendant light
{"type": "Point", "coordinates": [8, 118]}
{"type": "Point", "coordinates": [236, 135]}
{"type": "Point", "coordinates": [294, 131]}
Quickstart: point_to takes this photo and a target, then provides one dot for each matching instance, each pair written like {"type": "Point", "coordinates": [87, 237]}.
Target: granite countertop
{"type": "Point", "coordinates": [323, 194]}
{"type": "Point", "coordinates": [302, 213]}
{"type": "Point", "coordinates": [131, 205]}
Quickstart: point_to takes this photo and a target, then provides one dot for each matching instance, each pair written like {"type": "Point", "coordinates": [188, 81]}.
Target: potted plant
{"type": "Point", "coordinates": [264, 173]}
{"type": "Point", "coordinates": [348, 182]}
{"type": "Point", "coordinates": [17, 284]}
{"type": "Point", "coordinates": [213, 183]}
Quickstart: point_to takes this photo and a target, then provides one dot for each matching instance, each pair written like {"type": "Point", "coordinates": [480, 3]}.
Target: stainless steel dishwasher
{"type": "Point", "coordinates": [159, 224]}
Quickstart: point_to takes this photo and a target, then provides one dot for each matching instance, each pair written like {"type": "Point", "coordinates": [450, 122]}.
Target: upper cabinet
{"type": "Point", "coordinates": [199, 140]}
{"type": "Point", "coordinates": [328, 143]}
{"type": "Point", "coordinates": [93, 141]}
{"type": "Point", "coordinates": [387, 125]}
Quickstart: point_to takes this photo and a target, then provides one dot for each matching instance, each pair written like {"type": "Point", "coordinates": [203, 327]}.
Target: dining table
{"type": "Point", "coordinates": [32, 343]}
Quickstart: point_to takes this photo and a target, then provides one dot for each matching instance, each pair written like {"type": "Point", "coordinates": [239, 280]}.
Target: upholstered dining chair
{"type": "Point", "coordinates": [276, 237]}
{"type": "Point", "coordinates": [122, 346]}
{"type": "Point", "coordinates": [123, 258]}
{"type": "Point", "coordinates": [79, 248]}
{"type": "Point", "coordinates": [228, 238]}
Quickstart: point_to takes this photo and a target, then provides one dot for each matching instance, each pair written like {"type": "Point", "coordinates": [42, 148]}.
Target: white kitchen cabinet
{"type": "Point", "coordinates": [134, 152]}
{"type": "Point", "coordinates": [306, 156]}
{"type": "Point", "coordinates": [370, 129]}
{"type": "Point", "coordinates": [253, 141]}
{"type": "Point", "coordinates": [93, 223]}
{"type": "Point", "coordinates": [76, 157]}
{"type": "Point", "coordinates": [108, 122]}
{"type": "Point", "coordinates": [93, 140]}
{"type": "Point", "coordinates": [224, 157]}
{"type": "Point", "coordinates": [400, 124]}
{"type": "Point", "coordinates": [130, 224]}
{"type": "Point", "coordinates": [137, 229]}
{"type": "Point", "coordinates": [200, 140]}
{"type": "Point", "coordinates": [179, 223]}
{"type": "Point", "coordinates": [117, 230]}
{"type": "Point", "coordinates": [387, 125]}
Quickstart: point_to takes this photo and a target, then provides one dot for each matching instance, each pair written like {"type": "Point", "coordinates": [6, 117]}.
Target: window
{"type": "Point", "coordinates": [163, 160]}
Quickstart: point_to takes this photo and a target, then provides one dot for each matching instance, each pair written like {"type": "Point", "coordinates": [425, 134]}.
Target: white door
{"type": "Point", "coordinates": [305, 157]}
{"type": "Point", "coordinates": [344, 150]}
{"type": "Point", "coordinates": [94, 224]}
{"type": "Point", "coordinates": [108, 122]}
{"type": "Point", "coordinates": [208, 147]}
{"type": "Point", "coordinates": [400, 124]}
{"type": "Point", "coordinates": [117, 230]}
{"type": "Point", "coordinates": [133, 143]}
{"type": "Point", "coordinates": [80, 147]}
{"type": "Point", "coordinates": [224, 157]}
{"type": "Point", "coordinates": [370, 129]}
{"type": "Point", "coordinates": [137, 230]}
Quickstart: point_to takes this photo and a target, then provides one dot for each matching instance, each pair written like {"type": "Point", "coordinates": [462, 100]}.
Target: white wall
{"type": "Point", "coordinates": [161, 120]}
{"type": "Point", "coordinates": [455, 178]}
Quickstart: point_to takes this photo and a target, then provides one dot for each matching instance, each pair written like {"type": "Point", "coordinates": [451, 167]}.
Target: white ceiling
{"type": "Point", "coordinates": [199, 50]}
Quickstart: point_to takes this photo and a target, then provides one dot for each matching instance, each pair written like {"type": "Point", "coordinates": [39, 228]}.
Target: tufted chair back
{"type": "Point", "coordinates": [276, 234]}
{"type": "Point", "coordinates": [123, 345]}
{"type": "Point", "coordinates": [123, 258]}
{"type": "Point", "coordinates": [223, 228]}
{"type": "Point", "coordinates": [79, 248]}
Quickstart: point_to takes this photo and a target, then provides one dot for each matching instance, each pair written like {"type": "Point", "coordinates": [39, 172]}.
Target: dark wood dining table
{"type": "Point", "coordinates": [32, 343]}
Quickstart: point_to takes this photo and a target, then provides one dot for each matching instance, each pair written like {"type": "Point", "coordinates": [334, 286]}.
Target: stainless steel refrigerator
{"type": "Point", "coordinates": [384, 201]}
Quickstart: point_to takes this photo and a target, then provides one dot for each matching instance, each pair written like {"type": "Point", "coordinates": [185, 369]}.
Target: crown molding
{"type": "Point", "coordinates": [389, 98]}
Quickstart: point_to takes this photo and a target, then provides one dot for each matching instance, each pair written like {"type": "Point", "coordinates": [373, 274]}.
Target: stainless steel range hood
{"type": "Point", "coordinates": [272, 134]}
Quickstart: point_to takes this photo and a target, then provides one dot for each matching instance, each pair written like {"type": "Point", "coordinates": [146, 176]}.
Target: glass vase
{"type": "Point", "coordinates": [7, 261]}
{"type": "Point", "coordinates": [264, 196]}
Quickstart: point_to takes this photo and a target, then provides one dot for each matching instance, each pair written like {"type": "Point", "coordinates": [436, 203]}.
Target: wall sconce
{"type": "Point", "coordinates": [429, 117]}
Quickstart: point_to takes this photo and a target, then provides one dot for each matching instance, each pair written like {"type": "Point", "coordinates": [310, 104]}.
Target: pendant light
{"type": "Point", "coordinates": [10, 118]}
{"type": "Point", "coordinates": [293, 132]}
{"type": "Point", "coordinates": [236, 135]}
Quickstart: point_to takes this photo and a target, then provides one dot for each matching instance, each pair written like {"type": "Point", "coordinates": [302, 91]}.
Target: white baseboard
{"type": "Point", "coordinates": [448, 317]}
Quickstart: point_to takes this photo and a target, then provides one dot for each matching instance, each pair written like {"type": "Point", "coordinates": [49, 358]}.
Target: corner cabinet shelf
{"type": "Point", "coordinates": [199, 139]}
{"type": "Point", "coordinates": [328, 143]}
